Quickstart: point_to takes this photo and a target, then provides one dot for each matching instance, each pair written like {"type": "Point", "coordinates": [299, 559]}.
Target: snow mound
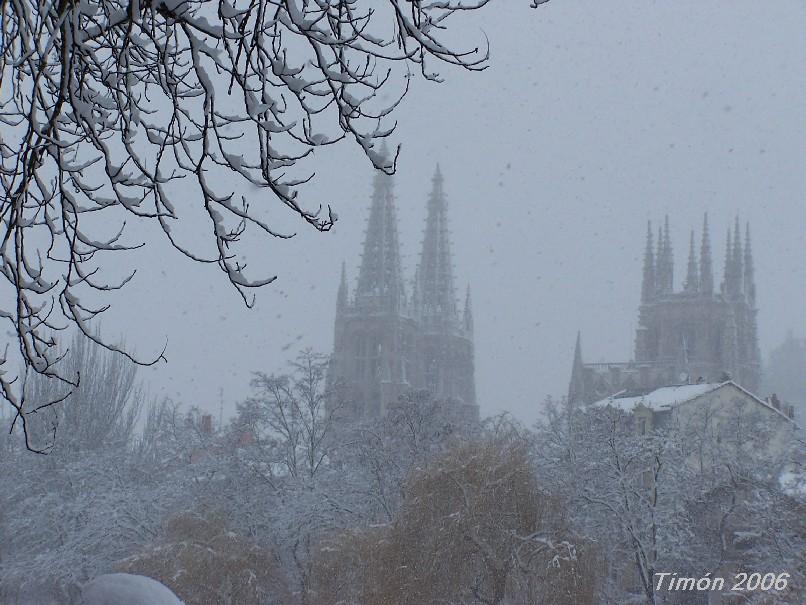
{"type": "Point", "coordinates": [126, 589]}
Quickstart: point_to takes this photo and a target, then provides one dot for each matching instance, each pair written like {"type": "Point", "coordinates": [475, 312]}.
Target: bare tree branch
{"type": "Point", "coordinates": [120, 111]}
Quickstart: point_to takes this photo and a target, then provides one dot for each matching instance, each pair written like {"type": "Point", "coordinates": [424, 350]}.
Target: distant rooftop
{"type": "Point", "coordinates": [659, 399]}
{"type": "Point", "coordinates": [664, 398]}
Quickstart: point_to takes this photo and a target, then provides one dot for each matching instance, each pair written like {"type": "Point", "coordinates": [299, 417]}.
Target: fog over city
{"type": "Point", "coordinates": [591, 119]}
{"type": "Point", "coordinates": [402, 302]}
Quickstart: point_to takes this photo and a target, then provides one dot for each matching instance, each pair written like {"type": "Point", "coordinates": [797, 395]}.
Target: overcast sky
{"type": "Point", "coordinates": [592, 118]}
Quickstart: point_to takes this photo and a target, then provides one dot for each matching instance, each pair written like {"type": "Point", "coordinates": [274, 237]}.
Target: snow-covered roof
{"type": "Point", "coordinates": [665, 398]}
{"type": "Point", "coordinates": [659, 399]}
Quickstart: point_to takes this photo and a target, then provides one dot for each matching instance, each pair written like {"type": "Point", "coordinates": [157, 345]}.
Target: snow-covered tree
{"type": "Point", "coordinates": [382, 453]}
{"type": "Point", "coordinates": [100, 410]}
{"type": "Point", "coordinates": [475, 527]}
{"type": "Point", "coordinates": [205, 563]}
{"type": "Point", "coordinates": [112, 111]}
{"type": "Point", "coordinates": [289, 420]}
{"type": "Point", "coordinates": [279, 476]}
{"type": "Point", "coordinates": [72, 512]}
{"type": "Point", "coordinates": [696, 496]}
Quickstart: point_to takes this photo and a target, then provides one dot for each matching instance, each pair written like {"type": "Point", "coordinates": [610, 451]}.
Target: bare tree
{"type": "Point", "coordinates": [68, 514]}
{"type": "Point", "coordinates": [289, 418]}
{"type": "Point", "coordinates": [101, 411]}
{"type": "Point", "coordinates": [116, 111]}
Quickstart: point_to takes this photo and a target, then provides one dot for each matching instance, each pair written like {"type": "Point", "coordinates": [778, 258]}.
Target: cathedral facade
{"type": "Point", "coordinates": [696, 334]}
{"type": "Point", "coordinates": [391, 339]}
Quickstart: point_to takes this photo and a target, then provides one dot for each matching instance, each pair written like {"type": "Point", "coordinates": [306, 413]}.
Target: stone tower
{"type": "Point", "coordinates": [387, 343]}
{"type": "Point", "coordinates": [445, 342]}
{"type": "Point", "coordinates": [695, 334]}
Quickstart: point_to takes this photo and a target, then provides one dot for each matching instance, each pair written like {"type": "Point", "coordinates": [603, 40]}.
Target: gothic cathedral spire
{"type": "Point", "coordinates": [648, 283]}
{"type": "Point", "coordinates": [727, 277]}
{"type": "Point", "coordinates": [343, 296]}
{"type": "Point", "coordinates": [738, 258]}
{"type": "Point", "coordinates": [667, 244]}
{"type": "Point", "coordinates": [664, 264]}
{"type": "Point", "coordinates": [435, 272]}
{"type": "Point", "coordinates": [576, 387]}
{"type": "Point", "coordinates": [342, 308]}
{"type": "Point", "coordinates": [749, 277]}
{"type": "Point", "coordinates": [692, 278]}
{"type": "Point", "coordinates": [706, 267]}
{"type": "Point", "coordinates": [468, 314]}
{"type": "Point", "coordinates": [380, 280]}
{"type": "Point", "coordinates": [734, 262]}
{"type": "Point", "coordinates": [387, 344]}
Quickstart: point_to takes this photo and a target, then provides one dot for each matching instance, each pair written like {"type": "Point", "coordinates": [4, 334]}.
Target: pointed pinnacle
{"type": "Point", "coordinates": [706, 267]}
{"type": "Point", "coordinates": [692, 279]}
{"type": "Point", "coordinates": [738, 258]}
{"type": "Point", "coordinates": [341, 298]}
{"type": "Point", "coordinates": [706, 236]}
{"type": "Point", "coordinates": [468, 312]}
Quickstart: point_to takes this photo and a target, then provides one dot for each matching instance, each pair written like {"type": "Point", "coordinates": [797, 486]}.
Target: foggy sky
{"type": "Point", "coordinates": [592, 118]}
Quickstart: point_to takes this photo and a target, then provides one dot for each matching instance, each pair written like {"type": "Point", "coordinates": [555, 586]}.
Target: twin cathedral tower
{"type": "Point", "coordinates": [698, 334]}
{"type": "Point", "coordinates": [393, 336]}
{"type": "Point", "coordinates": [391, 339]}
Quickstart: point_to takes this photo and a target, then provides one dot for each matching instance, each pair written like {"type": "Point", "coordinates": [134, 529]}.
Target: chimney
{"type": "Point", "coordinates": [775, 402]}
{"type": "Point", "coordinates": [207, 424]}
{"type": "Point", "coordinates": [790, 411]}
{"type": "Point", "coordinates": [246, 438]}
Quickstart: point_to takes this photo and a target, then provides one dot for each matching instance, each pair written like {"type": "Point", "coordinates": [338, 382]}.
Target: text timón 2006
{"type": "Point", "coordinates": [742, 582]}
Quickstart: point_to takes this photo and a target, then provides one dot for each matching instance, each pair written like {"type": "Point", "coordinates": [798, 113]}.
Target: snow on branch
{"type": "Point", "coordinates": [118, 111]}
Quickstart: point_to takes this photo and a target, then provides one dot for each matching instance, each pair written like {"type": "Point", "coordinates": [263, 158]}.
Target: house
{"type": "Point", "coordinates": [733, 446]}
{"type": "Point", "coordinates": [716, 410]}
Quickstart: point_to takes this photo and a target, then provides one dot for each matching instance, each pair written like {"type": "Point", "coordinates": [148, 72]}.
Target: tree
{"type": "Point", "coordinates": [68, 514]}
{"type": "Point", "coordinates": [291, 417]}
{"type": "Point", "coordinates": [310, 476]}
{"type": "Point", "coordinates": [113, 109]}
{"type": "Point", "coordinates": [475, 528]}
{"type": "Point", "coordinates": [205, 563]}
{"type": "Point", "coordinates": [100, 411]}
{"type": "Point", "coordinates": [284, 437]}
{"type": "Point", "coordinates": [383, 452]}
{"type": "Point", "coordinates": [698, 495]}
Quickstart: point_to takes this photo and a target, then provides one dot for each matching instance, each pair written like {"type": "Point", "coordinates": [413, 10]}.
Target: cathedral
{"type": "Point", "coordinates": [697, 334]}
{"type": "Point", "coordinates": [390, 339]}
